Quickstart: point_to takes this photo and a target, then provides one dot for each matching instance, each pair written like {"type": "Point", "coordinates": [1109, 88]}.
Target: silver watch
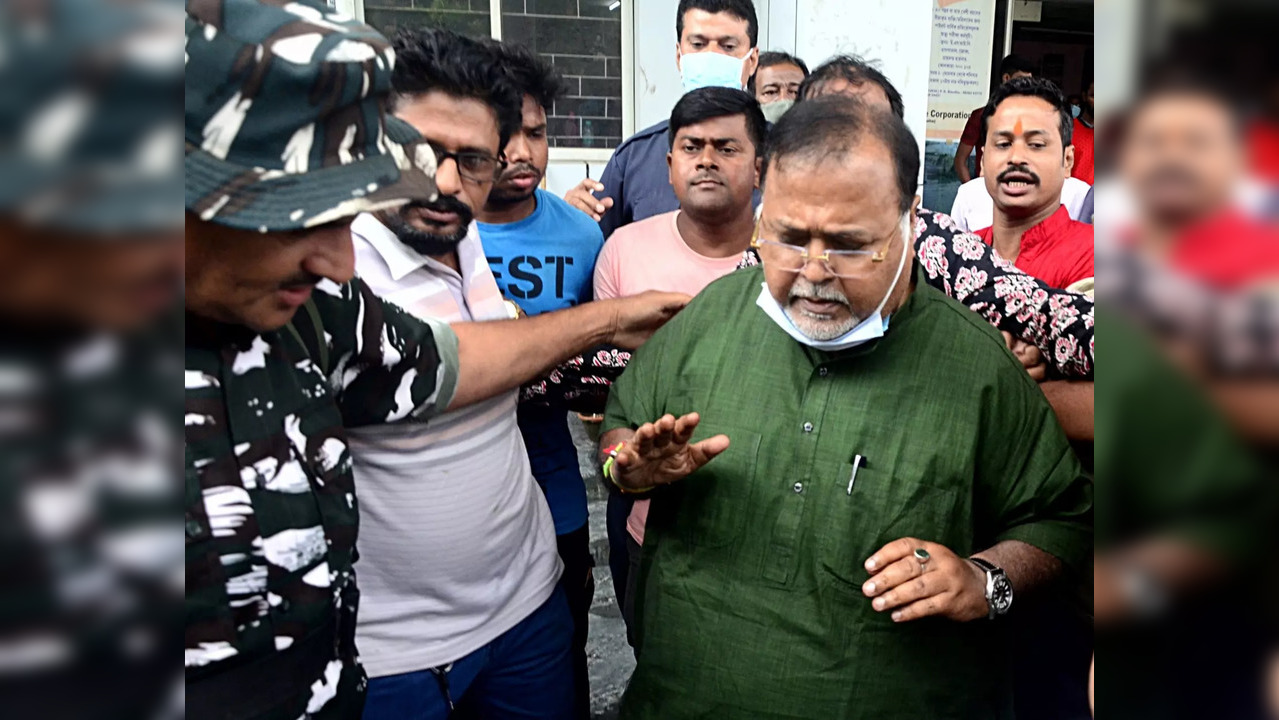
{"type": "Point", "coordinates": [999, 589]}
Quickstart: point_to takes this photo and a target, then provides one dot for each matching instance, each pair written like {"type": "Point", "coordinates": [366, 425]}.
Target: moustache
{"type": "Point", "coordinates": [520, 169]}
{"type": "Point", "coordinates": [444, 204]}
{"type": "Point", "coordinates": [807, 290]}
{"type": "Point", "coordinates": [302, 279]}
{"type": "Point", "coordinates": [1018, 170]}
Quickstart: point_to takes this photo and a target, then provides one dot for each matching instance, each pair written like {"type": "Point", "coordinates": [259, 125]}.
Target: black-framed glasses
{"type": "Point", "coordinates": [474, 166]}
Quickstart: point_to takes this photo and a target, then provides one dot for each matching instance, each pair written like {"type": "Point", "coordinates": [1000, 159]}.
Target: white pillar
{"type": "Point", "coordinates": [894, 34]}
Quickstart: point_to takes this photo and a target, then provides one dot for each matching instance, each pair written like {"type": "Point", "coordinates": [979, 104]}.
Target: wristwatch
{"type": "Point", "coordinates": [999, 589]}
{"type": "Point", "coordinates": [513, 311]}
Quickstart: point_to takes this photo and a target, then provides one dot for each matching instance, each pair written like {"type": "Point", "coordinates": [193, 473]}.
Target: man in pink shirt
{"type": "Point", "coordinates": [714, 169]}
{"type": "Point", "coordinates": [717, 137]}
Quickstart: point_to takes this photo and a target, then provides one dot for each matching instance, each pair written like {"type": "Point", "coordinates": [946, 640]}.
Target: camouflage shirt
{"type": "Point", "coordinates": [271, 514]}
{"type": "Point", "coordinates": [89, 582]}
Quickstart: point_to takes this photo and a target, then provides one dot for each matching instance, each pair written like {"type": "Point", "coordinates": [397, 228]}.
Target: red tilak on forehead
{"type": "Point", "coordinates": [1017, 127]}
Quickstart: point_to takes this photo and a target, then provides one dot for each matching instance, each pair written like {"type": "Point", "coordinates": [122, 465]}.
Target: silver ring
{"type": "Point", "coordinates": [923, 557]}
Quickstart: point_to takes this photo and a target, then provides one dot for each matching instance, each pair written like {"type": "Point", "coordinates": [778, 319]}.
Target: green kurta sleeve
{"type": "Point", "coordinates": [634, 398]}
{"type": "Point", "coordinates": [1030, 486]}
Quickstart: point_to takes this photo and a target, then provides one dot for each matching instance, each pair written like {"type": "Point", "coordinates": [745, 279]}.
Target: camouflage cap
{"type": "Point", "coordinates": [286, 122]}
{"type": "Point", "coordinates": [90, 139]}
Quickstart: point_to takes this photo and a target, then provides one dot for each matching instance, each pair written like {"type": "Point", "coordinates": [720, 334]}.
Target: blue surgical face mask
{"type": "Point", "coordinates": [1075, 110]}
{"type": "Point", "coordinates": [871, 328]}
{"type": "Point", "coordinates": [710, 69]}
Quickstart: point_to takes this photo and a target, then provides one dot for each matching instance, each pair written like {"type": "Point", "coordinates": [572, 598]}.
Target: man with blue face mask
{"type": "Point", "coordinates": [716, 47]}
{"type": "Point", "coordinates": [851, 477]}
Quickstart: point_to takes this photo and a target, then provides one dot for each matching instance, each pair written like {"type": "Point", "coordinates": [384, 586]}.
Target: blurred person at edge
{"type": "Point", "coordinates": [776, 83]}
{"type": "Point", "coordinates": [1185, 543]}
{"type": "Point", "coordinates": [1184, 546]}
{"type": "Point", "coordinates": [285, 348]}
{"type": "Point", "coordinates": [715, 47]}
{"type": "Point", "coordinates": [1272, 685]}
{"type": "Point", "coordinates": [1183, 160]}
{"type": "Point", "coordinates": [90, 276]}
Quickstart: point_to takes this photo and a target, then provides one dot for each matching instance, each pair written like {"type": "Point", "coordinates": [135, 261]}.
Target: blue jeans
{"type": "Point", "coordinates": [527, 672]}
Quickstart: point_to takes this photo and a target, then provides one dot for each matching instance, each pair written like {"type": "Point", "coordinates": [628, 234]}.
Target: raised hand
{"type": "Point", "coordinates": [581, 198]}
{"type": "Point", "coordinates": [660, 453]}
{"type": "Point", "coordinates": [639, 316]}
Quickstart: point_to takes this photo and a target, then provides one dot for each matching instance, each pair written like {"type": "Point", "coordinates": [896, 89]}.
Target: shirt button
{"type": "Point", "coordinates": [823, 371]}
{"type": "Point", "coordinates": [799, 487]}
{"type": "Point", "coordinates": [808, 427]}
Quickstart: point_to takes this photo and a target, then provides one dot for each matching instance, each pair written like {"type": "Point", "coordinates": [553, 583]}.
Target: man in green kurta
{"type": "Point", "coordinates": [849, 471]}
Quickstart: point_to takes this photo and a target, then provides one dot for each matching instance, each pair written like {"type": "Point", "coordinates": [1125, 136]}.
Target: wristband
{"type": "Point", "coordinates": [608, 470]}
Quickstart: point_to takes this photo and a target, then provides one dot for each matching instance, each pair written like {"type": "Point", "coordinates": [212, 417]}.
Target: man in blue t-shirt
{"type": "Point", "coordinates": [542, 252]}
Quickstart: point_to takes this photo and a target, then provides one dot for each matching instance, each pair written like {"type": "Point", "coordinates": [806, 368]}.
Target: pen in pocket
{"type": "Point", "coordinates": [858, 461]}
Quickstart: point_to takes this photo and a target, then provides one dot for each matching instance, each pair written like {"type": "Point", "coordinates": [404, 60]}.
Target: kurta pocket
{"type": "Point", "coordinates": [714, 502]}
{"type": "Point", "coordinates": [880, 508]}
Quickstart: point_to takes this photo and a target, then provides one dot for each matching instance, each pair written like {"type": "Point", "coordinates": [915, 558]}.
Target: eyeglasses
{"type": "Point", "coordinates": [474, 166]}
{"type": "Point", "coordinates": [793, 258]}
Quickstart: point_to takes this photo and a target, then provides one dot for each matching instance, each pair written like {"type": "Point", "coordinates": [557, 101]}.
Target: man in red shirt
{"type": "Point", "coordinates": [1083, 140]}
{"type": "Point", "coordinates": [1027, 156]}
{"type": "Point", "coordinates": [1184, 159]}
{"type": "Point", "coordinates": [1012, 67]}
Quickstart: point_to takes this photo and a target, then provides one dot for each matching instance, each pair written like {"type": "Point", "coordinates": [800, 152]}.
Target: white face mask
{"type": "Point", "coordinates": [775, 110]}
{"type": "Point", "coordinates": [710, 69]}
{"type": "Point", "coordinates": [871, 328]}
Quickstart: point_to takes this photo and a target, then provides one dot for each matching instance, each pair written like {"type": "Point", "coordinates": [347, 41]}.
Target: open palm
{"type": "Point", "coordinates": [660, 452]}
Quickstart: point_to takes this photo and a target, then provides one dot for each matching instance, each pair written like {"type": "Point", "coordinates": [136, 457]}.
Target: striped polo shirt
{"type": "Point", "coordinates": [456, 545]}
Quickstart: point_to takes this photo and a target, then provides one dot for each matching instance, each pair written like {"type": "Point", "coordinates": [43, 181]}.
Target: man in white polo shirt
{"type": "Point", "coordinates": [458, 557]}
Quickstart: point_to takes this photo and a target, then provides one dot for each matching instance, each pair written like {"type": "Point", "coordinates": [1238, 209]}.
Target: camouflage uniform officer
{"type": "Point", "coordinates": [287, 140]}
{"type": "Point", "coordinates": [286, 131]}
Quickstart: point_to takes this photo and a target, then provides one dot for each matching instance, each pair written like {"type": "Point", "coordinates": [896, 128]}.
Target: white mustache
{"type": "Point", "coordinates": [807, 290]}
